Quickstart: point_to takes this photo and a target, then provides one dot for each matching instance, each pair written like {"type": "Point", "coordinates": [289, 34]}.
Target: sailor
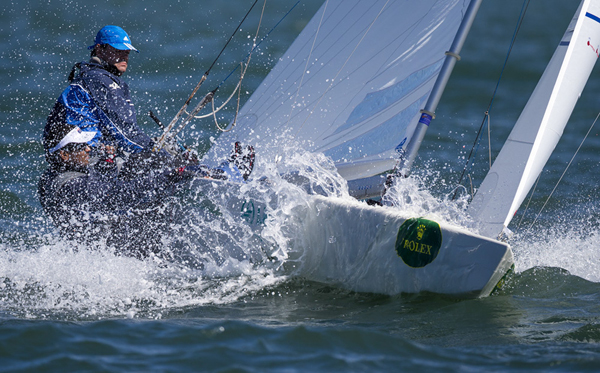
{"type": "Point", "coordinates": [98, 100]}
{"type": "Point", "coordinates": [91, 203]}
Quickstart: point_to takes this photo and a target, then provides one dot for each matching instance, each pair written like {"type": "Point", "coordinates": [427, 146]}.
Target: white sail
{"type": "Point", "coordinates": [540, 125]}
{"type": "Point", "coordinates": [352, 84]}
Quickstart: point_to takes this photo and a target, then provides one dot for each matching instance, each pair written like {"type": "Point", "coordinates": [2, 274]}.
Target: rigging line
{"type": "Point", "coordinates": [307, 62]}
{"type": "Point", "coordinates": [237, 109]}
{"type": "Point", "coordinates": [512, 43]}
{"type": "Point", "coordinates": [486, 114]}
{"type": "Point", "coordinates": [469, 164]}
{"type": "Point", "coordinates": [165, 134]}
{"type": "Point", "coordinates": [210, 95]}
{"type": "Point", "coordinates": [529, 201]}
{"type": "Point", "coordinates": [226, 101]}
{"type": "Point", "coordinates": [259, 43]}
{"type": "Point", "coordinates": [239, 85]}
{"type": "Point", "coordinates": [215, 111]}
{"type": "Point", "coordinates": [564, 172]}
{"type": "Point", "coordinates": [232, 35]}
{"type": "Point", "coordinates": [201, 105]}
{"type": "Point", "coordinates": [343, 65]}
{"type": "Point", "coordinates": [244, 68]}
{"type": "Point", "coordinates": [489, 128]}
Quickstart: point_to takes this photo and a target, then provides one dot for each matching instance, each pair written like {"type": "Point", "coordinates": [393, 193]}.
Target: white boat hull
{"type": "Point", "coordinates": [350, 244]}
{"type": "Point", "coordinates": [358, 247]}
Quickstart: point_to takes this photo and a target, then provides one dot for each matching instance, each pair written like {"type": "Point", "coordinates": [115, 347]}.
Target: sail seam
{"type": "Point", "coordinates": [343, 65]}
{"type": "Point", "coordinates": [307, 62]}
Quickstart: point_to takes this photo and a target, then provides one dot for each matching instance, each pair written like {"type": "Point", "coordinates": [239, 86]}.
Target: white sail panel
{"type": "Point", "coordinates": [540, 125]}
{"type": "Point", "coordinates": [352, 84]}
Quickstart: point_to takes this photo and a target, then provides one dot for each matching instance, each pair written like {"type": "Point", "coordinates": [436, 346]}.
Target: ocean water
{"type": "Point", "coordinates": [65, 307]}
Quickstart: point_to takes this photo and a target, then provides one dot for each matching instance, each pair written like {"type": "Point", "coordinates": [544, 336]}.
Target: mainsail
{"type": "Point", "coordinates": [352, 84]}
{"type": "Point", "coordinates": [540, 125]}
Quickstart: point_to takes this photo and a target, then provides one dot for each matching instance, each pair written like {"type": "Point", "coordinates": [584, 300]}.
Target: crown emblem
{"type": "Point", "coordinates": [420, 231]}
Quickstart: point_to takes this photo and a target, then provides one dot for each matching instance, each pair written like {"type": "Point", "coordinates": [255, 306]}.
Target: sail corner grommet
{"type": "Point", "coordinates": [452, 54]}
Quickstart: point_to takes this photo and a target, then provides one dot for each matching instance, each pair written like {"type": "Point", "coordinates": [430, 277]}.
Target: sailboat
{"type": "Point", "coordinates": [361, 84]}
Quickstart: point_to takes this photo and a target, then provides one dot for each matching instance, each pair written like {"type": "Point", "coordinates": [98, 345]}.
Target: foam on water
{"type": "Point", "coordinates": [218, 258]}
{"type": "Point", "coordinates": [65, 279]}
{"type": "Point", "coordinates": [414, 196]}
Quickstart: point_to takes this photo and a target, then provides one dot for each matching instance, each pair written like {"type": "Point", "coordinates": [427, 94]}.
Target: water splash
{"type": "Point", "coordinates": [50, 276]}
{"type": "Point", "coordinates": [572, 247]}
{"type": "Point", "coordinates": [223, 254]}
{"type": "Point", "coordinates": [414, 195]}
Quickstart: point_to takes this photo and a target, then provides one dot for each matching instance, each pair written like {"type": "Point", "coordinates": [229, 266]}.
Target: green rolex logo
{"type": "Point", "coordinates": [418, 242]}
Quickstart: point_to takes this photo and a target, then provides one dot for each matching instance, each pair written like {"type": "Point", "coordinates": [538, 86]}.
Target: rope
{"type": "Point", "coordinates": [238, 88]}
{"type": "Point", "coordinates": [529, 200]}
{"type": "Point", "coordinates": [244, 66]}
{"type": "Point", "coordinates": [165, 135]}
{"type": "Point", "coordinates": [564, 172]}
{"type": "Point", "coordinates": [261, 40]}
{"type": "Point", "coordinates": [487, 112]}
{"type": "Point", "coordinates": [231, 37]}
{"type": "Point", "coordinates": [239, 85]}
{"type": "Point", "coordinates": [489, 127]}
{"type": "Point", "coordinates": [226, 101]}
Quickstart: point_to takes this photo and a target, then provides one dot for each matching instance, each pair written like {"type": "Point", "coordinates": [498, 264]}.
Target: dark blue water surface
{"type": "Point", "coordinates": [72, 308]}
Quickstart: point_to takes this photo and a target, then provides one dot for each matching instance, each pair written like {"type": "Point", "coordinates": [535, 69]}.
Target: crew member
{"type": "Point", "coordinates": [98, 100]}
{"type": "Point", "coordinates": [90, 203]}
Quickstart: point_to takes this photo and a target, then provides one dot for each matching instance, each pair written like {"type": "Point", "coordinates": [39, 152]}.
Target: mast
{"type": "Point", "coordinates": [428, 113]}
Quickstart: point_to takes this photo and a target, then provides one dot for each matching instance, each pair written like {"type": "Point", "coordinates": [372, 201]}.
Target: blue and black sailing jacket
{"type": "Point", "coordinates": [98, 100]}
